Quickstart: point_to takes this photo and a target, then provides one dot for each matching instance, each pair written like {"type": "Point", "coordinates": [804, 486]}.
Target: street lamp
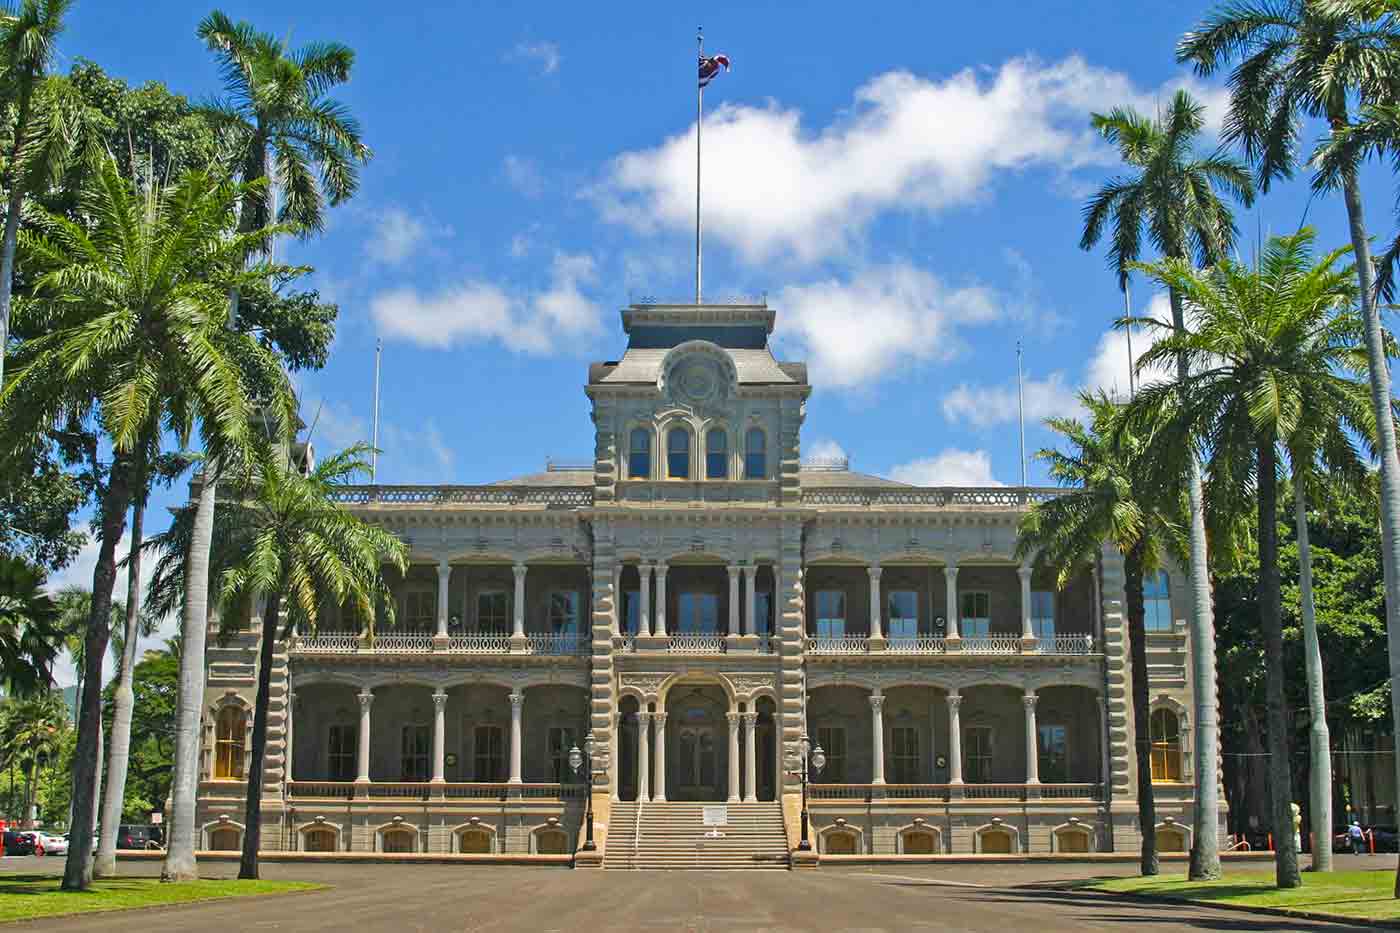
{"type": "Point", "coordinates": [813, 760]}
{"type": "Point", "coordinates": [577, 759]}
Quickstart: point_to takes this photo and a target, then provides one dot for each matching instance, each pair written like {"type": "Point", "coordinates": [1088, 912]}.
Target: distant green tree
{"type": "Point", "coordinates": [30, 632]}
{"type": "Point", "coordinates": [30, 730]}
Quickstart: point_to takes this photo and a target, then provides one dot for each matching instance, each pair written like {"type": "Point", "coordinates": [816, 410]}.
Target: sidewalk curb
{"type": "Point", "coordinates": [1290, 912]}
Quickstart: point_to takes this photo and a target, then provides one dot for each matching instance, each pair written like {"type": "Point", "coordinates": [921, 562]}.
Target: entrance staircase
{"type": "Point", "coordinates": [672, 835]}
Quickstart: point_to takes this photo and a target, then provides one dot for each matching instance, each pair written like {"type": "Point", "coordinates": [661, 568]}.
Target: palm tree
{"type": "Point", "coordinates": [132, 316]}
{"type": "Point", "coordinates": [27, 36]}
{"type": "Point", "coordinates": [30, 632]}
{"type": "Point", "coordinates": [1297, 59]}
{"type": "Point", "coordinates": [30, 728]}
{"type": "Point", "coordinates": [1175, 194]}
{"type": "Point", "coordinates": [1271, 354]}
{"type": "Point", "coordinates": [1111, 498]}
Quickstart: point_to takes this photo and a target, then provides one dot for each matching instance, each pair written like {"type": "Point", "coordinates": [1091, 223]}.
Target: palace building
{"type": "Point", "coordinates": [708, 608]}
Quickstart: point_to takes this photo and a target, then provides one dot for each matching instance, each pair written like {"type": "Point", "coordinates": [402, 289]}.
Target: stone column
{"type": "Point", "coordinates": [439, 736]}
{"type": "Point", "coordinates": [877, 631]}
{"type": "Point", "coordinates": [644, 611]}
{"type": "Point", "coordinates": [1028, 642]}
{"type": "Point", "coordinates": [661, 569]}
{"type": "Point", "coordinates": [751, 599]}
{"type": "Point", "coordinates": [366, 700]}
{"type": "Point", "coordinates": [877, 736]}
{"type": "Point", "coordinates": [519, 605]}
{"type": "Point", "coordinates": [735, 619]}
{"type": "Point", "coordinates": [291, 710]}
{"type": "Point", "coordinates": [750, 759]}
{"type": "Point", "coordinates": [659, 792]}
{"type": "Point", "coordinates": [950, 579]}
{"type": "Point", "coordinates": [734, 720]}
{"type": "Point", "coordinates": [517, 704]}
{"type": "Point", "coordinates": [643, 756]}
{"type": "Point", "coordinates": [617, 616]}
{"type": "Point", "coordinates": [443, 596]}
{"type": "Point", "coordinates": [954, 738]}
{"type": "Point", "coordinates": [1032, 740]}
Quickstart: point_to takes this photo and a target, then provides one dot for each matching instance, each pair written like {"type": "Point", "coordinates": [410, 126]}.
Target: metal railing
{"type": "Point", "coordinates": [414, 790]}
{"type": "Point", "coordinates": [1066, 644]}
{"type": "Point", "coordinates": [940, 497]}
{"type": "Point", "coordinates": [921, 644]}
{"type": "Point", "coordinates": [696, 644]}
{"type": "Point", "coordinates": [768, 644]}
{"type": "Point", "coordinates": [337, 790]}
{"type": "Point", "coordinates": [476, 790]}
{"type": "Point", "coordinates": [991, 644]}
{"type": "Point", "coordinates": [492, 643]}
{"type": "Point", "coordinates": [838, 644]}
{"type": "Point", "coordinates": [994, 791]}
{"type": "Point", "coordinates": [1071, 791]}
{"type": "Point", "coordinates": [415, 643]}
{"type": "Point", "coordinates": [557, 643]}
{"type": "Point", "coordinates": [952, 791]}
{"type": "Point", "coordinates": [552, 496]}
{"type": "Point", "coordinates": [329, 643]}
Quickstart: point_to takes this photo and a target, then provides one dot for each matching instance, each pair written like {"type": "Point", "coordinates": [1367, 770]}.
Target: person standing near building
{"type": "Point", "coordinates": [1358, 839]}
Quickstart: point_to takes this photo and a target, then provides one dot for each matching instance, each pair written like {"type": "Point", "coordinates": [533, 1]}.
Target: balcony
{"type": "Point", "coordinates": [1078, 793]}
{"type": "Point", "coordinates": [543, 644]}
{"type": "Point", "coordinates": [710, 643]}
{"type": "Point", "coordinates": [1081, 645]}
{"type": "Point", "coordinates": [427, 790]}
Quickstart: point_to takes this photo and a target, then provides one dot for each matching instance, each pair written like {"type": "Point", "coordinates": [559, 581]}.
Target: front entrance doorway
{"type": "Point", "coordinates": [697, 743]}
{"type": "Point", "coordinates": [697, 772]}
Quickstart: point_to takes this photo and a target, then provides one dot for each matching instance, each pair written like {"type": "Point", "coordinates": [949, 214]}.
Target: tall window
{"type": "Point", "coordinates": [414, 753]}
{"type": "Point", "coordinates": [563, 612]}
{"type": "Point", "coordinates": [419, 611]}
{"type": "Point", "coordinates": [340, 751]}
{"type": "Point", "coordinates": [632, 612]}
{"type": "Point", "coordinates": [832, 739]}
{"type": "Point", "coordinates": [1043, 613]}
{"type": "Point", "coordinates": [977, 754]}
{"type": "Point", "coordinates": [903, 609]}
{"type": "Point", "coordinates": [831, 613]}
{"type": "Point", "coordinates": [755, 454]}
{"type": "Point", "coordinates": [1165, 730]}
{"type": "Point", "coordinates": [762, 622]}
{"type": "Point", "coordinates": [717, 454]}
{"type": "Point", "coordinates": [976, 614]}
{"type": "Point", "coordinates": [1157, 601]}
{"type": "Point", "coordinates": [1054, 753]}
{"type": "Point", "coordinates": [678, 453]}
{"type": "Point", "coordinates": [699, 614]}
{"type": "Point", "coordinates": [228, 744]}
{"type": "Point", "coordinates": [639, 454]}
{"type": "Point", "coordinates": [561, 739]}
{"type": "Point", "coordinates": [904, 764]}
{"type": "Point", "coordinates": [488, 756]}
{"type": "Point", "coordinates": [493, 612]}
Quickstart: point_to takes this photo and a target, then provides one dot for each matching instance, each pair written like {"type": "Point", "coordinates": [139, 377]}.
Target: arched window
{"type": "Point", "coordinates": [717, 454]}
{"type": "Point", "coordinates": [1166, 746]}
{"type": "Point", "coordinates": [678, 453]}
{"type": "Point", "coordinates": [551, 842]}
{"type": "Point", "coordinates": [755, 454]}
{"type": "Point", "coordinates": [639, 454]}
{"type": "Point", "coordinates": [228, 744]}
{"type": "Point", "coordinates": [474, 842]}
{"type": "Point", "coordinates": [1157, 602]}
{"type": "Point", "coordinates": [318, 840]}
{"type": "Point", "coordinates": [399, 840]}
{"type": "Point", "coordinates": [224, 839]}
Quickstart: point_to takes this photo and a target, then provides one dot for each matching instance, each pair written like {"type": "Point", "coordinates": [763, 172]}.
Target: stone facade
{"type": "Point", "coordinates": [698, 600]}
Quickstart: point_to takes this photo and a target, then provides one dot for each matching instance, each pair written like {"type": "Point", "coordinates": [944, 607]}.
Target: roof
{"type": "Point", "coordinates": [551, 478]}
{"type": "Point", "coordinates": [755, 367]}
{"type": "Point", "coordinates": [828, 479]}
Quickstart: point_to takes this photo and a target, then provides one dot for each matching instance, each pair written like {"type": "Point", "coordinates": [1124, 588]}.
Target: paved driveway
{"type": "Point", "coordinates": [405, 898]}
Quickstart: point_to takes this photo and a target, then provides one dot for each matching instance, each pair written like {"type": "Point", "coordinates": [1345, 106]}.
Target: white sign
{"type": "Point", "coordinates": [714, 816]}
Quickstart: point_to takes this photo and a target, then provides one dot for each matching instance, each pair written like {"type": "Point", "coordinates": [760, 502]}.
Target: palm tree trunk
{"type": "Point", "coordinates": [1320, 740]}
{"type": "Point", "coordinates": [118, 757]}
{"type": "Point", "coordinates": [179, 854]}
{"type": "Point", "coordinates": [1271, 621]}
{"type": "Point", "coordinates": [1205, 823]}
{"type": "Point", "coordinates": [1137, 652]}
{"type": "Point", "coordinates": [252, 819]}
{"type": "Point", "coordinates": [1379, 369]}
{"type": "Point", "coordinates": [12, 212]}
{"type": "Point", "coordinates": [77, 871]}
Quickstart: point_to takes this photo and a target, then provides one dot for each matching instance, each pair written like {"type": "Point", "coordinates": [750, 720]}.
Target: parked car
{"type": "Point", "coordinates": [51, 845]}
{"type": "Point", "coordinates": [1386, 838]}
{"type": "Point", "coordinates": [136, 836]}
{"type": "Point", "coordinates": [18, 843]}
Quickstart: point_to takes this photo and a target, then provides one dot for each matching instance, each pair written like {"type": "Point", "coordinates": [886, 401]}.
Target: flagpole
{"type": "Point", "coordinates": [1128, 313]}
{"type": "Point", "coordinates": [374, 444]}
{"type": "Point", "coordinates": [1021, 411]}
{"type": "Point", "coordinates": [699, 119]}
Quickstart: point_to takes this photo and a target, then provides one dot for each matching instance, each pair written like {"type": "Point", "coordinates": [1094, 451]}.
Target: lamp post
{"type": "Point", "coordinates": [577, 759]}
{"type": "Point", "coordinates": [813, 760]}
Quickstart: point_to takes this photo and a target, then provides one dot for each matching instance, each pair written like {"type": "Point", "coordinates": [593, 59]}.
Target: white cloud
{"type": "Point", "coordinates": [397, 234]}
{"type": "Point", "coordinates": [951, 467]}
{"type": "Point", "coordinates": [481, 311]}
{"type": "Point", "coordinates": [1107, 369]}
{"type": "Point", "coordinates": [824, 448]}
{"type": "Point", "coordinates": [544, 54]}
{"type": "Point", "coordinates": [420, 453]}
{"type": "Point", "coordinates": [983, 406]}
{"type": "Point", "coordinates": [884, 318]}
{"type": "Point", "coordinates": [777, 188]}
{"type": "Point", "coordinates": [523, 175]}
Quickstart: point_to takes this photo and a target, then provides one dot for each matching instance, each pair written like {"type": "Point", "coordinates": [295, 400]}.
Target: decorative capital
{"type": "Point", "coordinates": [440, 699]}
{"type": "Point", "coordinates": [954, 701]}
{"type": "Point", "coordinates": [520, 570]}
{"type": "Point", "coordinates": [366, 698]}
{"type": "Point", "coordinates": [1029, 699]}
{"type": "Point", "coordinates": [874, 571]}
{"type": "Point", "coordinates": [444, 567]}
{"type": "Point", "coordinates": [659, 718]}
{"type": "Point", "coordinates": [951, 571]}
{"type": "Point", "coordinates": [517, 700]}
{"type": "Point", "coordinates": [733, 570]}
{"type": "Point", "coordinates": [1024, 571]}
{"type": "Point", "coordinates": [733, 719]}
{"type": "Point", "coordinates": [751, 719]}
{"type": "Point", "coordinates": [877, 703]}
{"type": "Point", "coordinates": [644, 717]}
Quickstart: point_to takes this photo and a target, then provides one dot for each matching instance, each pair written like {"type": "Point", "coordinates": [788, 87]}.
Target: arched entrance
{"type": "Point", "coordinates": [697, 743]}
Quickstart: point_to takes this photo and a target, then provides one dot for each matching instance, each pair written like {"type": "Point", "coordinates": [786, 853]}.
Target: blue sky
{"type": "Point", "coordinates": [902, 179]}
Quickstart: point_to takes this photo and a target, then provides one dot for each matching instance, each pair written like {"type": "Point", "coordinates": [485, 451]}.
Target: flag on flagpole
{"type": "Point", "coordinates": [710, 67]}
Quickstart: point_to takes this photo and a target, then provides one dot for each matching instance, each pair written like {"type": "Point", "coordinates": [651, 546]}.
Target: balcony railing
{"type": "Point", "coordinates": [537, 643]}
{"type": "Point", "coordinates": [557, 643]}
{"type": "Point", "coordinates": [952, 791]}
{"type": "Point", "coordinates": [404, 644]}
{"type": "Point", "coordinates": [424, 790]}
{"type": "Point", "coordinates": [479, 644]}
{"type": "Point", "coordinates": [991, 644]}
{"type": "Point", "coordinates": [941, 497]}
{"type": "Point", "coordinates": [696, 644]}
{"type": "Point", "coordinates": [1066, 644]}
{"type": "Point", "coordinates": [335, 790]}
{"type": "Point", "coordinates": [333, 643]}
{"type": "Point", "coordinates": [922, 644]}
{"type": "Point", "coordinates": [550, 496]}
{"type": "Point", "coordinates": [838, 644]}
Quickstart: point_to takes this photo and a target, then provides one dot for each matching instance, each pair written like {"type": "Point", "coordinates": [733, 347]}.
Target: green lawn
{"type": "Point", "coordinates": [1362, 894]}
{"type": "Point", "coordinates": [24, 897]}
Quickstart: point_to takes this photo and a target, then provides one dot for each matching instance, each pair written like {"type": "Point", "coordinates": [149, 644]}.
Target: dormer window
{"type": "Point", "coordinates": [717, 454]}
{"type": "Point", "coordinates": [678, 453]}
{"type": "Point", "coordinates": [639, 454]}
{"type": "Point", "coordinates": [755, 454]}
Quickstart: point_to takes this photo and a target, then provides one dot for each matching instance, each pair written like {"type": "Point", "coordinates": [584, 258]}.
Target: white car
{"type": "Point", "coordinates": [51, 845]}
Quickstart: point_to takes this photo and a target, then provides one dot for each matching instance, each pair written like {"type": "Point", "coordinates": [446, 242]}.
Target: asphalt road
{"type": "Point", "coordinates": [404, 898]}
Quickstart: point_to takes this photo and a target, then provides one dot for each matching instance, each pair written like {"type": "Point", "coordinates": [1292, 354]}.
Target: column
{"type": "Point", "coordinates": [1027, 633]}
{"type": "Point", "coordinates": [517, 704]}
{"type": "Point", "coordinates": [877, 736]}
{"type": "Point", "coordinates": [291, 710]}
{"type": "Point", "coordinates": [734, 720]}
{"type": "Point", "coordinates": [444, 593]}
{"type": "Point", "coordinates": [661, 569]}
{"type": "Point", "coordinates": [1032, 743]}
{"type": "Point", "coordinates": [519, 605]}
{"type": "Point", "coordinates": [660, 790]}
{"type": "Point", "coordinates": [617, 599]}
{"type": "Point", "coordinates": [735, 621]}
{"type": "Point", "coordinates": [751, 599]}
{"type": "Point", "coordinates": [1104, 776]}
{"type": "Point", "coordinates": [644, 613]}
{"type": "Point", "coordinates": [876, 629]}
{"type": "Point", "coordinates": [950, 579]}
{"type": "Point", "coordinates": [750, 759]}
{"type": "Point", "coordinates": [954, 738]}
{"type": "Point", "coordinates": [366, 699]}
{"type": "Point", "coordinates": [439, 736]}
{"type": "Point", "coordinates": [643, 756]}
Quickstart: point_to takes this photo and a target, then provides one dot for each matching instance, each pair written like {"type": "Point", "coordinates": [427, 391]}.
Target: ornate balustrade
{"type": "Point", "coordinates": [413, 790]}
{"type": "Point", "coordinates": [1071, 791]}
{"type": "Point", "coordinates": [991, 644]}
{"type": "Point", "coordinates": [696, 644]}
{"type": "Point", "coordinates": [333, 643]}
{"type": "Point", "coordinates": [479, 644]}
{"type": "Point", "coordinates": [996, 791]}
{"type": "Point", "coordinates": [334, 790]}
{"type": "Point", "coordinates": [416, 643]}
{"type": "Point", "coordinates": [424, 790]}
{"type": "Point", "coordinates": [938, 497]}
{"type": "Point", "coordinates": [867, 792]}
{"type": "Point", "coordinates": [1066, 644]}
{"type": "Point", "coordinates": [556, 643]}
{"type": "Point", "coordinates": [549, 496]}
{"type": "Point", "coordinates": [839, 644]}
{"type": "Point", "coordinates": [922, 644]}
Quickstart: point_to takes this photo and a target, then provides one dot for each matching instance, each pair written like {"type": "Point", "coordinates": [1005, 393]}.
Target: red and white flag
{"type": "Point", "coordinates": [710, 67]}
